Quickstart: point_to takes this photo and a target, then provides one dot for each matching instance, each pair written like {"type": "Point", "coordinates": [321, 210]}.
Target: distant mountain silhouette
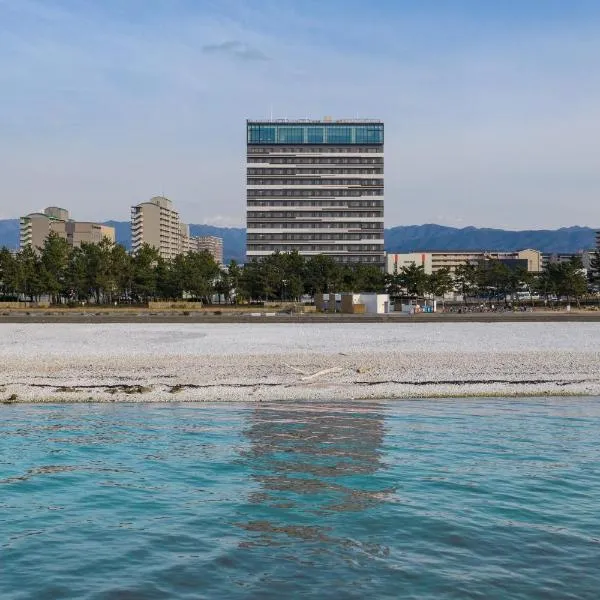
{"type": "Point", "coordinates": [9, 233]}
{"type": "Point", "coordinates": [438, 237]}
{"type": "Point", "coordinates": [406, 238]}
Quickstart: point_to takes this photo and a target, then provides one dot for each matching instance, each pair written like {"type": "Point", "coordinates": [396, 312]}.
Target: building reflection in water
{"type": "Point", "coordinates": [312, 464]}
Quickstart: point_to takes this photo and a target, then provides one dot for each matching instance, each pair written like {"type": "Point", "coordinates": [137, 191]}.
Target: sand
{"type": "Point", "coordinates": [260, 362]}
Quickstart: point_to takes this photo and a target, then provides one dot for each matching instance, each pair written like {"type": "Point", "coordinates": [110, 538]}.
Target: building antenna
{"type": "Point", "coordinates": [271, 113]}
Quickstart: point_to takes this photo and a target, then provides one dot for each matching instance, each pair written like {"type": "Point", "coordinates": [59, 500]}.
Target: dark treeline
{"type": "Point", "coordinates": [106, 273]}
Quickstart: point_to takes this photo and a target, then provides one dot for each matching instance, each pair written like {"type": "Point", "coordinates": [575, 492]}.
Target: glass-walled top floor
{"type": "Point", "coordinates": [325, 133]}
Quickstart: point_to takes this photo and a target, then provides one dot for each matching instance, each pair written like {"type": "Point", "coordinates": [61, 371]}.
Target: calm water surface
{"type": "Point", "coordinates": [422, 499]}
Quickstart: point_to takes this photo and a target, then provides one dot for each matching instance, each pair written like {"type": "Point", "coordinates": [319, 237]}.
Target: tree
{"type": "Point", "coordinates": [201, 272]}
{"type": "Point", "coordinates": [54, 260]}
{"type": "Point", "coordinates": [594, 274]}
{"type": "Point", "coordinates": [122, 269]}
{"type": "Point", "coordinates": [76, 279]}
{"type": "Point", "coordinates": [494, 277]}
{"type": "Point", "coordinates": [566, 279]}
{"type": "Point", "coordinates": [323, 275]}
{"type": "Point", "coordinates": [414, 279]}
{"type": "Point", "coordinates": [234, 276]}
{"type": "Point", "coordinates": [366, 278]}
{"type": "Point", "coordinates": [466, 279]}
{"type": "Point", "coordinates": [100, 275]}
{"type": "Point", "coordinates": [29, 280]}
{"type": "Point", "coordinates": [143, 283]}
{"type": "Point", "coordinates": [8, 273]}
{"type": "Point", "coordinates": [440, 283]}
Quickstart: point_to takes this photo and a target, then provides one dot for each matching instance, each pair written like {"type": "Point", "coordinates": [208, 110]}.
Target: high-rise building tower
{"type": "Point", "coordinates": [157, 224]}
{"type": "Point", "coordinates": [316, 187]}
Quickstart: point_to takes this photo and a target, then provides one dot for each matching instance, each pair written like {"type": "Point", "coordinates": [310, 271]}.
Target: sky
{"type": "Point", "coordinates": [491, 109]}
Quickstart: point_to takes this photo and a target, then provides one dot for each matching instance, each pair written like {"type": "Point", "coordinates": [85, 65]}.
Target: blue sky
{"type": "Point", "coordinates": [492, 109]}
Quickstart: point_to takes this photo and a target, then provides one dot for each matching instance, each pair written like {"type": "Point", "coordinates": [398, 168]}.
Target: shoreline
{"type": "Point", "coordinates": [263, 316]}
{"type": "Point", "coordinates": [216, 362]}
{"type": "Point", "coordinates": [504, 396]}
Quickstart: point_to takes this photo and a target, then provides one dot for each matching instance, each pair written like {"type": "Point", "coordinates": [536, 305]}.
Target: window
{"type": "Point", "coordinates": [315, 135]}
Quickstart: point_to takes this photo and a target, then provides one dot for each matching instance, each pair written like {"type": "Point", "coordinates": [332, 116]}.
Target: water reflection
{"type": "Point", "coordinates": [312, 460]}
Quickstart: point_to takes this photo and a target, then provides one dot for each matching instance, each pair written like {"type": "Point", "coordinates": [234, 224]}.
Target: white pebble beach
{"type": "Point", "coordinates": [65, 362]}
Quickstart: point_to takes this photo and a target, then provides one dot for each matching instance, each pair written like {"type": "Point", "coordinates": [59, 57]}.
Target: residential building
{"type": "Point", "coordinates": [80, 232]}
{"type": "Point", "coordinates": [186, 242]}
{"type": "Point", "coordinates": [585, 256]}
{"type": "Point", "coordinates": [157, 224]}
{"type": "Point", "coordinates": [316, 187]}
{"type": "Point", "coordinates": [433, 261]}
{"type": "Point", "coordinates": [209, 243]}
{"type": "Point", "coordinates": [36, 227]}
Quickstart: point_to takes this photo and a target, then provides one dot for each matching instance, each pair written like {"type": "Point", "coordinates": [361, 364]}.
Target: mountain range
{"type": "Point", "coordinates": [404, 238]}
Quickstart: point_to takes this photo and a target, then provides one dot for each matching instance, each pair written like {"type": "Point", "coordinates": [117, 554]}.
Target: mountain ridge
{"type": "Point", "coordinates": [402, 238]}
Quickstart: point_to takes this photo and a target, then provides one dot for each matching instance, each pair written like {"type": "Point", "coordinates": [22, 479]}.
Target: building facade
{"type": "Point", "coordinates": [316, 187]}
{"type": "Point", "coordinates": [553, 258]}
{"type": "Point", "coordinates": [84, 232]}
{"type": "Point", "coordinates": [35, 228]}
{"type": "Point", "coordinates": [157, 224]}
{"type": "Point", "coordinates": [208, 243]}
{"type": "Point", "coordinates": [434, 261]}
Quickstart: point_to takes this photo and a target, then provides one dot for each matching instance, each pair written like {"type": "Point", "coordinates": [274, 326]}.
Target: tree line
{"type": "Point", "coordinates": [107, 273]}
{"type": "Point", "coordinates": [494, 280]}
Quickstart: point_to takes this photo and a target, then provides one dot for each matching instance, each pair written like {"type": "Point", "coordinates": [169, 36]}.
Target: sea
{"type": "Point", "coordinates": [426, 499]}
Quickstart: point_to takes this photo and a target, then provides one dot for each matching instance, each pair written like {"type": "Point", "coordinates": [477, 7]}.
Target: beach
{"type": "Point", "coordinates": [166, 362]}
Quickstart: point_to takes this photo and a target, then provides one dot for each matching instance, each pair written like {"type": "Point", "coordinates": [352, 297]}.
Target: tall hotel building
{"type": "Point", "coordinates": [316, 187]}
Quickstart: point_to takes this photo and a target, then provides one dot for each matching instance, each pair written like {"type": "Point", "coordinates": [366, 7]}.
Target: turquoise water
{"type": "Point", "coordinates": [422, 499]}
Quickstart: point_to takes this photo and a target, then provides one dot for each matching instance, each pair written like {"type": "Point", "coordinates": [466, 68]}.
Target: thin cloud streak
{"type": "Point", "coordinates": [236, 50]}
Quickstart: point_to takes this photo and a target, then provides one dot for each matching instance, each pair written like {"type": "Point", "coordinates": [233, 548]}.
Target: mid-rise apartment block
{"type": "Point", "coordinates": [316, 187]}
{"type": "Point", "coordinates": [85, 232]}
{"type": "Point", "coordinates": [208, 243]}
{"type": "Point", "coordinates": [36, 227]}
{"type": "Point", "coordinates": [157, 224]}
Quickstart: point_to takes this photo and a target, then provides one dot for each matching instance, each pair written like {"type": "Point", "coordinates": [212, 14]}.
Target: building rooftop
{"type": "Point", "coordinates": [324, 121]}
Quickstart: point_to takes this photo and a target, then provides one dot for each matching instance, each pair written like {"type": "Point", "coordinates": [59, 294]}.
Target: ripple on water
{"type": "Point", "coordinates": [424, 499]}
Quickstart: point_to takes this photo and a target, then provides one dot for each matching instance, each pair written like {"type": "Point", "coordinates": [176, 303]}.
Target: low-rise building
{"type": "Point", "coordinates": [351, 303]}
{"type": "Point", "coordinates": [433, 261]}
